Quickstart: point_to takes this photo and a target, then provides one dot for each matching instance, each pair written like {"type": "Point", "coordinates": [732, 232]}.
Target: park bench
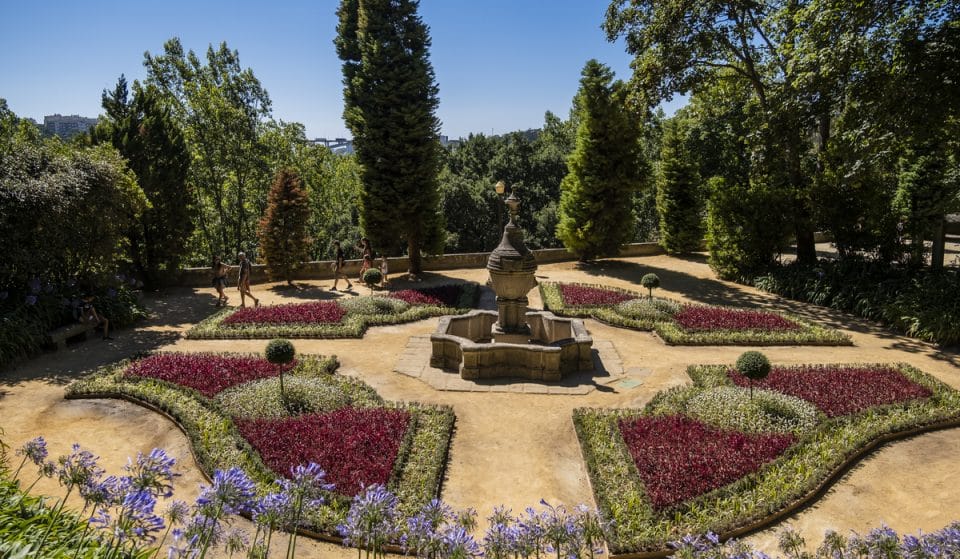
{"type": "Point", "coordinates": [60, 336]}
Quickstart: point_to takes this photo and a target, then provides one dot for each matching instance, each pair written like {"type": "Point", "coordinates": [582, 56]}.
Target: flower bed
{"type": "Point", "coordinates": [206, 373]}
{"type": "Point", "coordinates": [683, 324]}
{"type": "Point", "coordinates": [678, 458]}
{"type": "Point", "coordinates": [576, 295]}
{"type": "Point", "coordinates": [411, 439]}
{"type": "Point", "coordinates": [839, 390]}
{"type": "Point", "coordinates": [356, 447]}
{"type": "Point", "coordinates": [347, 318]}
{"type": "Point", "coordinates": [700, 318]}
{"type": "Point", "coordinates": [320, 312]}
{"type": "Point", "coordinates": [653, 493]}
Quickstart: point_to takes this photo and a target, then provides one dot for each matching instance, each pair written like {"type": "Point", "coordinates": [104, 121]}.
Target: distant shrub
{"type": "Point", "coordinates": [651, 282]}
{"type": "Point", "coordinates": [372, 277]}
{"type": "Point", "coordinates": [753, 365]}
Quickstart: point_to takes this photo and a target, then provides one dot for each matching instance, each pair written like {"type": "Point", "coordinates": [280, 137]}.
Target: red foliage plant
{"type": "Point", "coordinates": [839, 390]}
{"type": "Point", "coordinates": [356, 447]}
{"type": "Point", "coordinates": [441, 295]}
{"type": "Point", "coordinates": [679, 458]}
{"type": "Point", "coordinates": [206, 373]}
{"type": "Point", "coordinates": [700, 318]}
{"type": "Point", "coordinates": [320, 312]}
{"type": "Point", "coordinates": [581, 295]}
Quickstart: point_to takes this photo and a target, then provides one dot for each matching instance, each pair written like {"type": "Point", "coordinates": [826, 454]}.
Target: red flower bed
{"type": "Point", "coordinates": [205, 373]}
{"type": "Point", "coordinates": [679, 458]}
{"type": "Point", "coordinates": [441, 295]}
{"type": "Point", "coordinates": [356, 447]}
{"type": "Point", "coordinates": [701, 318]}
{"type": "Point", "coordinates": [579, 295]}
{"type": "Point", "coordinates": [321, 312]}
{"type": "Point", "coordinates": [839, 390]}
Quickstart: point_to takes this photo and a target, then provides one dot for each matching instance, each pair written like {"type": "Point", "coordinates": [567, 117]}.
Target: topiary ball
{"type": "Point", "coordinates": [650, 281]}
{"type": "Point", "coordinates": [372, 276]}
{"type": "Point", "coordinates": [280, 351]}
{"type": "Point", "coordinates": [753, 365]}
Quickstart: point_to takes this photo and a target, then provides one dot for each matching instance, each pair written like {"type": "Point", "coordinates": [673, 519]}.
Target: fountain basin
{"type": "Point", "coordinates": [474, 345]}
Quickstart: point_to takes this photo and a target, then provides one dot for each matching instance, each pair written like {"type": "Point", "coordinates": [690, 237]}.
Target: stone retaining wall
{"type": "Point", "coordinates": [201, 277]}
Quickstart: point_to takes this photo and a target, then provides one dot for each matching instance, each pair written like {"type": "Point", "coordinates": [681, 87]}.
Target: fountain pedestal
{"type": "Point", "coordinates": [511, 342]}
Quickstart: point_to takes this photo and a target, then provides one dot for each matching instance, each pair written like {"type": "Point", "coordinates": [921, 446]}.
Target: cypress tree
{"type": "Point", "coordinates": [679, 203]}
{"type": "Point", "coordinates": [284, 242]}
{"type": "Point", "coordinates": [604, 170]}
{"type": "Point", "coordinates": [390, 98]}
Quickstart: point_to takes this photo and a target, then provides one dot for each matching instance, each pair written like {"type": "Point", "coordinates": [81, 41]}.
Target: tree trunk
{"type": "Point", "coordinates": [939, 245]}
{"type": "Point", "coordinates": [413, 254]}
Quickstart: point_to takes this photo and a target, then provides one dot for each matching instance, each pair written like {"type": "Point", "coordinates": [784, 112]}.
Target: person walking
{"type": "Point", "coordinates": [89, 315]}
{"type": "Point", "coordinates": [220, 271]}
{"type": "Point", "coordinates": [243, 281]}
{"type": "Point", "coordinates": [367, 263]}
{"type": "Point", "coordinates": [384, 270]}
{"type": "Point", "coordinates": [338, 262]}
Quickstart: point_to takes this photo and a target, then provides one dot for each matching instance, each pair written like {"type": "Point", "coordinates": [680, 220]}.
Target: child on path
{"type": "Point", "coordinates": [89, 314]}
{"type": "Point", "coordinates": [384, 270]}
{"type": "Point", "coordinates": [364, 246]}
{"type": "Point", "coordinates": [220, 271]}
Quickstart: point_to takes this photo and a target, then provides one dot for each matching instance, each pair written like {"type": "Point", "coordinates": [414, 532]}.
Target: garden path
{"type": "Point", "coordinates": [511, 449]}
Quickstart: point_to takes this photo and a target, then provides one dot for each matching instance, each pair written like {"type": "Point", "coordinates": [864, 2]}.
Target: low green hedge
{"type": "Point", "coordinates": [216, 443]}
{"type": "Point", "coordinates": [820, 454]}
{"type": "Point", "coordinates": [631, 314]}
{"type": "Point", "coordinates": [361, 314]}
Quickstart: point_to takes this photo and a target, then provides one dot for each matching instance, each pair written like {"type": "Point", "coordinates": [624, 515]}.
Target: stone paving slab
{"type": "Point", "coordinates": [607, 368]}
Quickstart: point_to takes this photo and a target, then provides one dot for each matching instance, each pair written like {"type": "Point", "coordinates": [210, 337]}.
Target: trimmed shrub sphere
{"type": "Point", "coordinates": [372, 276]}
{"type": "Point", "coordinates": [753, 365]}
{"type": "Point", "coordinates": [280, 351]}
{"type": "Point", "coordinates": [650, 281]}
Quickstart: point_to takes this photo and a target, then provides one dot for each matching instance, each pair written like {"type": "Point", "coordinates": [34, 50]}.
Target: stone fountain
{"type": "Point", "coordinates": [511, 342]}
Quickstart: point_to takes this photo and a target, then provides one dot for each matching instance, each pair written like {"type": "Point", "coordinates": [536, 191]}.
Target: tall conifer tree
{"type": "Point", "coordinates": [605, 169]}
{"type": "Point", "coordinates": [679, 202]}
{"type": "Point", "coordinates": [390, 97]}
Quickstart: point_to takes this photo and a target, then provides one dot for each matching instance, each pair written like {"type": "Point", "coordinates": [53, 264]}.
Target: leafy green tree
{"type": "Point", "coordinates": [143, 131]}
{"type": "Point", "coordinates": [390, 100]}
{"type": "Point", "coordinates": [222, 109]}
{"type": "Point", "coordinates": [284, 242]}
{"type": "Point", "coordinates": [605, 169]}
{"type": "Point", "coordinates": [679, 202]}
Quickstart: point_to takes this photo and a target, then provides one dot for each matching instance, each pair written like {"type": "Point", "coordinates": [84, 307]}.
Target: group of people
{"type": "Point", "coordinates": [367, 262]}
{"type": "Point", "coordinates": [221, 269]}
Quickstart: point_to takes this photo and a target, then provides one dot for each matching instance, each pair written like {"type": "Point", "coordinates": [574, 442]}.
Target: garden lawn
{"type": "Point", "coordinates": [684, 324]}
{"type": "Point", "coordinates": [346, 318]}
{"type": "Point", "coordinates": [711, 457]}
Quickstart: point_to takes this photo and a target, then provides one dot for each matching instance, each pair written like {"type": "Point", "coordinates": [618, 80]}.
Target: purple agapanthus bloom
{"type": "Point", "coordinates": [154, 472]}
{"type": "Point", "coordinates": [370, 524]}
{"type": "Point", "coordinates": [272, 510]}
{"type": "Point", "coordinates": [34, 450]}
{"type": "Point", "coordinates": [4, 295]}
{"type": "Point", "coordinates": [30, 300]}
{"type": "Point", "coordinates": [78, 468]}
{"type": "Point", "coordinates": [459, 544]}
{"type": "Point", "coordinates": [34, 285]}
{"type": "Point", "coordinates": [232, 492]}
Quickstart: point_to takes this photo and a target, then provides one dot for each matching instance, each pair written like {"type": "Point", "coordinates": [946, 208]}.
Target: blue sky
{"type": "Point", "coordinates": [500, 64]}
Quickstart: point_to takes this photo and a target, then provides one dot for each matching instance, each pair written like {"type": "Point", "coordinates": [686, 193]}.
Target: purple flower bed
{"type": "Point", "coordinates": [356, 447]}
{"type": "Point", "coordinates": [441, 295]}
{"type": "Point", "coordinates": [701, 318]}
{"type": "Point", "coordinates": [679, 458]}
{"type": "Point", "coordinates": [321, 312]}
{"type": "Point", "coordinates": [206, 373]}
{"type": "Point", "coordinates": [839, 390]}
{"type": "Point", "coordinates": [579, 295]}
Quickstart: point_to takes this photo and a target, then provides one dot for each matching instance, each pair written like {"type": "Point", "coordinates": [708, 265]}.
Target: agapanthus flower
{"type": "Point", "coordinates": [177, 512]}
{"type": "Point", "coordinates": [459, 544]}
{"type": "Point", "coordinates": [34, 285]}
{"type": "Point", "coordinates": [78, 468]}
{"type": "Point", "coordinates": [307, 484]}
{"type": "Point", "coordinates": [30, 300]}
{"type": "Point", "coordinates": [34, 450]}
{"type": "Point", "coordinates": [272, 510]}
{"type": "Point", "coordinates": [232, 492]}
{"type": "Point", "coordinates": [153, 472]}
{"type": "Point", "coordinates": [371, 520]}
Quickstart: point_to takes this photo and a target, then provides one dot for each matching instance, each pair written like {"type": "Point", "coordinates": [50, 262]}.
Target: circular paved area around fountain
{"type": "Point", "coordinates": [509, 448]}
